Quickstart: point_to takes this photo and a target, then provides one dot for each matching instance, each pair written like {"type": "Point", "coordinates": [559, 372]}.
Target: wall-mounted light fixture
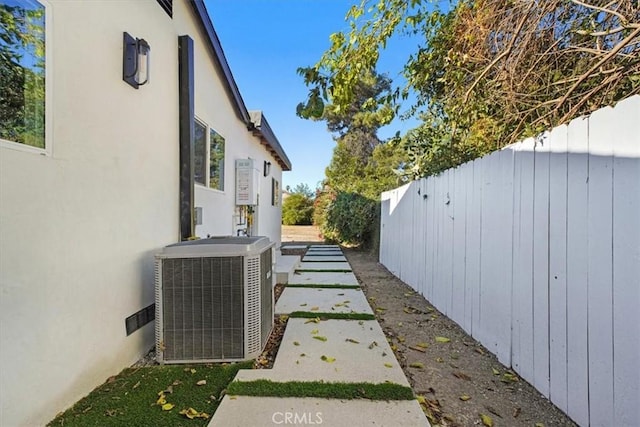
{"type": "Point", "coordinates": [267, 168]}
{"type": "Point", "coordinates": [135, 61]}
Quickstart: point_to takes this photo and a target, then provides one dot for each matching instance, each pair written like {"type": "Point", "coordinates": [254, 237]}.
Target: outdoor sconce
{"type": "Point", "coordinates": [135, 61]}
{"type": "Point", "coordinates": [267, 168]}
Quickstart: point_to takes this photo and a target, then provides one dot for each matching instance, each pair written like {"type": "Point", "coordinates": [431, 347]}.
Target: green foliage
{"type": "Point", "coordinates": [486, 73]}
{"type": "Point", "coordinates": [129, 399]}
{"type": "Point", "coordinates": [297, 209]}
{"type": "Point", "coordinates": [303, 189]}
{"type": "Point", "coordinates": [349, 219]}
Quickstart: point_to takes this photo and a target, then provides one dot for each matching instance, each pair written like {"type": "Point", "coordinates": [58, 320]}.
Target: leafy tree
{"type": "Point", "coordinates": [303, 189]}
{"type": "Point", "coordinates": [362, 164]}
{"type": "Point", "coordinates": [297, 210]}
{"type": "Point", "coordinates": [487, 72]}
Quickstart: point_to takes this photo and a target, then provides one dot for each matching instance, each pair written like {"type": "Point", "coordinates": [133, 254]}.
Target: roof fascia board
{"type": "Point", "coordinates": [214, 43]}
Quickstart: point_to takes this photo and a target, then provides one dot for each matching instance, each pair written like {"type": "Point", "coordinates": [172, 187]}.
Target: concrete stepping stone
{"type": "Point", "coordinates": [369, 360]}
{"type": "Point", "coordinates": [324, 300]}
{"type": "Point", "coordinates": [325, 258]}
{"type": "Point", "coordinates": [243, 411]}
{"type": "Point", "coordinates": [324, 266]}
{"type": "Point", "coordinates": [323, 278]}
{"type": "Point", "coordinates": [325, 247]}
{"type": "Point", "coordinates": [324, 254]}
{"type": "Point", "coordinates": [293, 247]}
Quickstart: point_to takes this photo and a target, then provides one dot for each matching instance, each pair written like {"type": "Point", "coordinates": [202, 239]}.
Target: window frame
{"type": "Point", "coordinates": [48, 91]}
{"type": "Point", "coordinates": [207, 166]}
{"type": "Point", "coordinates": [224, 160]}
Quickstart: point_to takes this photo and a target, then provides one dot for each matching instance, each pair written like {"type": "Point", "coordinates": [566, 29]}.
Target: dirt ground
{"type": "Point", "coordinates": [300, 233]}
{"type": "Point", "coordinates": [459, 380]}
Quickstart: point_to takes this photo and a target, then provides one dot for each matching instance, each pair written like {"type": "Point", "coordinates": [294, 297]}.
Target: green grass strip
{"type": "Point", "coordinates": [382, 391]}
{"type": "Point", "coordinates": [332, 315]}
{"type": "Point", "coordinates": [323, 286]}
{"type": "Point", "coordinates": [334, 270]}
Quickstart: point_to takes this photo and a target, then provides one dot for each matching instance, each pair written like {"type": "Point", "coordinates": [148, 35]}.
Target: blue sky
{"type": "Point", "coordinates": [265, 41]}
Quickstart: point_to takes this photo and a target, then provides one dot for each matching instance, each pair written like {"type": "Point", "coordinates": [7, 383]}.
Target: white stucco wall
{"type": "Point", "coordinates": [79, 227]}
{"type": "Point", "coordinates": [214, 108]}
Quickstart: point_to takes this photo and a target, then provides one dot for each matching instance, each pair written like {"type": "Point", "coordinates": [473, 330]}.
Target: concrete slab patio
{"type": "Point", "coordinates": [249, 411]}
{"type": "Point", "coordinates": [323, 278]}
{"type": "Point", "coordinates": [322, 300]}
{"type": "Point", "coordinates": [324, 266]}
{"type": "Point", "coordinates": [327, 258]}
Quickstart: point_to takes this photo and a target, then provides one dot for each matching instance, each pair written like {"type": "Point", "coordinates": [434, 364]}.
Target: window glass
{"type": "Point", "coordinates": [200, 154]}
{"type": "Point", "coordinates": [216, 161]}
{"type": "Point", "coordinates": [22, 72]}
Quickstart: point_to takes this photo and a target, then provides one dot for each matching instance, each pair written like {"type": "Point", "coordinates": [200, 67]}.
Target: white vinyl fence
{"type": "Point", "coordinates": [535, 251]}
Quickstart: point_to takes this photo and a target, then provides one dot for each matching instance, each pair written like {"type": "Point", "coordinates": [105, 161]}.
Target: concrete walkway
{"type": "Point", "coordinates": [345, 351]}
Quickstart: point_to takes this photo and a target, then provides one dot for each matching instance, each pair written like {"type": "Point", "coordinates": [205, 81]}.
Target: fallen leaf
{"type": "Point", "coordinates": [168, 390]}
{"type": "Point", "coordinates": [296, 343]}
{"type": "Point", "coordinates": [417, 365]}
{"type": "Point", "coordinates": [401, 339]}
{"type": "Point", "coordinates": [380, 309]}
{"type": "Point", "coordinates": [320, 338]}
{"type": "Point", "coordinates": [176, 382]}
{"type": "Point", "coordinates": [464, 397]}
{"type": "Point", "coordinates": [303, 305]}
{"type": "Point", "coordinates": [314, 332]}
{"type": "Point", "coordinates": [388, 365]}
{"type": "Point", "coordinates": [516, 412]}
{"type": "Point", "coordinates": [493, 410]}
{"type": "Point", "coordinates": [201, 382]}
{"type": "Point", "coordinates": [479, 351]}
{"type": "Point", "coordinates": [314, 320]}
{"type": "Point", "coordinates": [193, 371]}
{"type": "Point", "coordinates": [302, 354]}
{"type": "Point", "coordinates": [327, 359]}
{"type": "Point", "coordinates": [168, 406]}
{"type": "Point", "coordinates": [422, 350]}
{"type": "Point", "coordinates": [315, 308]}
{"type": "Point", "coordinates": [422, 344]}
{"type": "Point", "coordinates": [161, 400]}
{"type": "Point", "coordinates": [539, 425]}
{"type": "Point", "coordinates": [461, 375]}
{"type": "Point", "coordinates": [136, 385]}
{"type": "Point", "coordinates": [351, 340]}
{"type": "Point", "coordinates": [373, 344]}
{"type": "Point", "coordinates": [442, 339]}
{"type": "Point", "coordinates": [486, 420]}
{"type": "Point", "coordinates": [495, 371]}
{"type": "Point", "coordinates": [439, 359]}
{"type": "Point", "coordinates": [400, 323]}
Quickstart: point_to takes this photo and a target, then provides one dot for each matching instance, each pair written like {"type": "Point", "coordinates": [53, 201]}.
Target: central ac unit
{"type": "Point", "coordinates": [214, 299]}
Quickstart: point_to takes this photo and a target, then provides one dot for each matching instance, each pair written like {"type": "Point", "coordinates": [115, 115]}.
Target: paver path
{"type": "Point", "coordinates": [325, 350]}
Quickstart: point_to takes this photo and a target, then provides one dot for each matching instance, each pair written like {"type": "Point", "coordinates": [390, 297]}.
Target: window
{"type": "Point", "coordinates": [216, 161]}
{"type": "Point", "coordinates": [22, 72]}
{"type": "Point", "coordinates": [208, 157]}
{"type": "Point", "coordinates": [200, 154]}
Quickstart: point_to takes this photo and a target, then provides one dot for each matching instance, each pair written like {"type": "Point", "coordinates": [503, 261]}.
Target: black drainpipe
{"type": "Point", "coordinates": [187, 132]}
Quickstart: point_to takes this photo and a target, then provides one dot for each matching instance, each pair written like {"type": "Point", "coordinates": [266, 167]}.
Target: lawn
{"type": "Point", "coordinates": [135, 397]}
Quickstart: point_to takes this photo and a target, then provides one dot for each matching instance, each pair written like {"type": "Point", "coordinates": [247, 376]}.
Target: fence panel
{"type": "Point", "coordinates": [577, 274]}
{"type": "Point", "coordinates": [600, 271]}
{"type": "Point", "coordinates": [626, 267]}
{"type": "Point", "coordinates": [535, 251]}
{"type": "Point", "coordinates": [558, 267]}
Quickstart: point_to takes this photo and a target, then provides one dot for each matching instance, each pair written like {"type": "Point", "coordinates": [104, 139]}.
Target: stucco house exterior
{"type": "Point", "coordinates": [101, 165]}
